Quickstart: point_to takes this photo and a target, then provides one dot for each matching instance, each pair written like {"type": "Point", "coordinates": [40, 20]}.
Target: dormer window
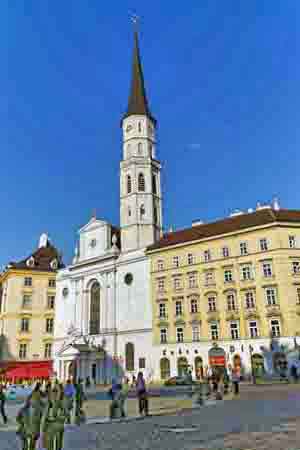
{"type": "Point", "coordinates": [54, 264]}
{"type": "Point", "coordinates": [30, 262]}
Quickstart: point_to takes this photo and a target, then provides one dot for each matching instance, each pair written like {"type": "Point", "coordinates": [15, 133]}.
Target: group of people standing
{"type": "Point", "coordinates": [219, 380]}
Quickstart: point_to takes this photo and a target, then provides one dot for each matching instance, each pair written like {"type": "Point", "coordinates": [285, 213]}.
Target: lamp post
{"type": "Point", "coordinates": [251, 361]}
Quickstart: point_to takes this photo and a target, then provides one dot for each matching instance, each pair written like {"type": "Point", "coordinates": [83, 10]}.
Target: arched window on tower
{"type": "Point", "coordinates": [129, 211]}
{"type": "Point", "coordinates": [129, 356]}
{"type": "Point", "coordinates": [141, 182]}
{"type": "Point", "coordinates": [140, 148]}
{"type": "Point", "coordinates": [142, 211]}
{"type": "Point", "coordinates": [95, 308]}
{"type": "Point", "coordinates": [140, 127]}
{"type": "Point", "coordinates": [154, 189]}
{"type": "Point", "coordinates": [155, 215]}
{"type": "Point", "coordinates": [129, 185]}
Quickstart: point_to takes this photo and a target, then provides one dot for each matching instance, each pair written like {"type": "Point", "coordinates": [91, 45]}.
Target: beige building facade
{"type": "Point", "coordinates": [227, 293]}
{"type": "Point", "coordinates": [27, 310]}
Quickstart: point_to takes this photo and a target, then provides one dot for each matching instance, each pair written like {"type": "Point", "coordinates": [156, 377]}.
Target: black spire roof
{"type": "Point", "coordinates": [137, 103]}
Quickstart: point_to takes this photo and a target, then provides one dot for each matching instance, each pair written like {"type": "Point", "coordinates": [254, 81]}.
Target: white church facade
{"type": "Point", "coordinates": [103, 323]}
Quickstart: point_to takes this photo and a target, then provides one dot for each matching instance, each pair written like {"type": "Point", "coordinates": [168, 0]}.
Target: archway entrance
{"type": "Point", "coordinates": [199, 367]}
{"type": "Point", "coordinates": [182, 366]}
{"type": "Point", "coordinates": [258, 365]}
{"type": "Point", "coordinates": [279, 362]}
{"type": "Point", "coordinates": [164, 368]}
{"type": "Point", "coordinates": [217, 360]}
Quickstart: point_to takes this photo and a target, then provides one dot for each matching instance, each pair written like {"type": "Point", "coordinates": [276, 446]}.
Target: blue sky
{"type": "Point", "coordinates": [223, 80]}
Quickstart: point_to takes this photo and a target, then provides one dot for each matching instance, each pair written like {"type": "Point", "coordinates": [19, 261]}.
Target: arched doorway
{"type": "Point", "coordinates": [182, 366]}
{"type": "Point", "coordinates": [279, 362]}
{"type": "Point", "coordinates": [164, 369]}
{"type": "Point", "coordinates": [199, 367]}
{"type": "Point", "coordinates": [258, 365]}
{"type": "Point", "coordinates": [95, 308]}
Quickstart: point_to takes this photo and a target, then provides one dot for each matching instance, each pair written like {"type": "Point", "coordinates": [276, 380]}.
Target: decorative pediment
{"type": "Point", "coordinates": [93, 224]}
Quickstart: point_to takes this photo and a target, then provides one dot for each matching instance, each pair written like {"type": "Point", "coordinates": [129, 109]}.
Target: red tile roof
{"type": "Point", "coordinates": [228, 225]}
{"type": "Point", "coordinates": [43, 257]}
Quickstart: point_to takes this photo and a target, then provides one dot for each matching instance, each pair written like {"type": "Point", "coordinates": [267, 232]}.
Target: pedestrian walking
{"type": "Point", "coordinates": [124, 396]}
{"type": "Point", "coordinates": [142, 395]}
{"type": "Point", "coordinates": [69, 394]}
{"type": "Point", "coordinates": [236, 378]}
{"type": "Point", "coordinates": [115, 394]}
{"type": "Point", "coordinates": [2, 404]}
{"type": "Point", "coordinates": [79, 399]}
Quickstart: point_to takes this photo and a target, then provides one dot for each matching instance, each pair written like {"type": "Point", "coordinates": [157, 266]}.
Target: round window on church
{"type": "Point", "coordinates": [128, 279]}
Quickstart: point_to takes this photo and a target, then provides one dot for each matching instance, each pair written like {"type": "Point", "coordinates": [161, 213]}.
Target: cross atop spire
{"type": "Point", "coordinates": [137, 103]}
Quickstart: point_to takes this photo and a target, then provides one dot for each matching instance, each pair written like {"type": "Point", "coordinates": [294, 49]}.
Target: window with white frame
{"type": "Point", "coordinates": [207, 255]}
{"type": "Point", "coordinates": [175, 261]}
{"type": "Point", "coordinates": [212, 304]}
{"type": "Point", "coordinates": [179, 334]}
{"type": "Point", "coordinates": [23, 351]}
{"type": "Point", "coordinates": [194, 305]}
{"type": "Point", "coordinates": [231, 302]}
{"type": "Point", "coordinates": [28, 281]}
{"type": "Point", "coordinates": [225, 252]}
{"type": "Point", "coordinates": [49, 325]}
{"type": "Point", "coordinates": [267, 269]}
{"type": "Point", "coordinates": [253, 329]}
{"type": "Point", "coordinates": [292, 241]}
{"type": "Point", "coordinates": [214, 331]}
{"type": "Point", "coordinates": [190, 258]}
{"type": "Point", "coordinates": [246, 272]}
{"type": "Point", "coordinates": [275, 327]}
{"type": "Point", "coordinates": [161, 284]}
{"type": "Point", "coordinates": [234, 330]}
{"type": "Point", "coordinates": [48, 350]}
{"type": "Point", "coordinates": [243, 248]}
{"type": "Point", "coordinates": [271, 296]}
{"type": "Point", "coordinates": [51, 283]}
{"type": "Point", "coordinates": [263, 244]}
{"type": "Point", "coordinates": [249, 300]}
{"type": "Point", "coordinates": [51, 301]}
{"type": "Point", "coordinates": [298, 296]}
{"type": "Point", "coordinates": [178, 308]}
{"type": "Point", "coordinates": [177, 283]}
{"type": "Point", "coordinates": [296, 267]}
{"type": "Point", "coordinates": [160, 265]}
{"type": "Point", "coordinates": [209, 277]}
{"type": "Point", "coordinates": [196, 333]}
{"type": "Point", "coordinates": [24, 324]}
{"type": "Point", "coordinates": [228, 275]}
{"type": "Point", "coordinates": [27, 301]}
{"type": "Point", "coordinates": [162, 310]}
{"type": "Point", "coordinates": [193, 280]}
{"type": "Point", "coordinates": [163, 335]}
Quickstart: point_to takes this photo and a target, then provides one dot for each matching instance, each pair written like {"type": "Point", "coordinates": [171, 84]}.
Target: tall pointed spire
{"type": "Point", "coordinates": [137, 103]}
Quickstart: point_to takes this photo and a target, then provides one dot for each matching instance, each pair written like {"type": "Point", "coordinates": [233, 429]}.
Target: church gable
{"type": "Point", "coordinates": [94, 239]}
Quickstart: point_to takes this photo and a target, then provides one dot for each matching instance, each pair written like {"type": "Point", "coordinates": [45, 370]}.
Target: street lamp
{"type": "Point", "coordinates": [251, 361]}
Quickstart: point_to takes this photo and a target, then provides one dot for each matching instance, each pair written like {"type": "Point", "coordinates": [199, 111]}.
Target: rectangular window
{"type": "Point", "coordinates": [296, 267]}
{"type": "Point", "coordinates": [196, 333]}
{"type": "Point", "coordinates": [175, 261]}
{"type": "Point", "coordinates": [177, 283]}
{"type": "Point", "coordinates": [50, 301]}
{"type": "Point", "coordinates": [163, 335]}
{"type": "Point", "coordinates": [231, 303]}
{"type": "Point", "coordinates": [179, 334]}
{"type": "Point", "coordinates": [249, 300]}
{"type": "Point", "coordinates": [142, 363]}
{"type": "Point", "coordinates": [209, 278]}
{"type": "Point", "coordinates": [161, 284]}
{"type": "Point", "coordinates": [160, 265]}
{"type": "Point", "coordinates": [162, 310]}
{"type": "Point", "coordinates": [194, 306]}
{"type": "Point", "coordinates": [234, 330]}
{"type": "Point", "coordinates": [23, 351]}
{"type": "Point", "coordinates": [207, 255]}
{"type": "Point", "coordinates": [52, 283]}
{"type": "Point", "coordinates": [26, 304]}
{"type": "Point", "coordinates": [225, 252]}
{"type": "Point", "coordinates": [267, 270]}
{"type": "Point", "coordinates": [178, 308]}
{"type": "Point", "coordinates": [27, 281]}
{"type": "Point", "coordinates": [253, 329]}
{"type": "Point", "coordinates": [275, 328]}
{"type": "Point", "coordinates": [214, 331]}
{"type": "Point", "coordinates": [192, 280]}
{"type": "Point", "coordinates": [25, 325]}
{"type": "Point", "coordinates": [263, 244]}
{"type": "Point", "coordinates": [228, 276]}
{"type": "Point", "coordinates": [48, 350]}
{"type": "Point", "coordinates": [190, 258]}
{"type": "Point", "coordinates": [298, 296]}
{"type": "Point", "coordinates": [271, 296]}
{"type": "Point", "coordinates": [49, 325]}
{"type": "Point", "coordinates": [292, 242]}
{"type": "Point", "coordinates": [243, 248]}
{"type": "Point", "coordinates": [246, 273]}
{"type": "Point", "coordinates": [212, 303]}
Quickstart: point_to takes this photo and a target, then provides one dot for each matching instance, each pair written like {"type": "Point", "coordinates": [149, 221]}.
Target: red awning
{"type": "Point", "coordinates": [42, 369]}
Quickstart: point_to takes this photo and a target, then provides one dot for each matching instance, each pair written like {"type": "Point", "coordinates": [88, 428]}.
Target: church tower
{"type": "Point", "coordinates": [140, 186]}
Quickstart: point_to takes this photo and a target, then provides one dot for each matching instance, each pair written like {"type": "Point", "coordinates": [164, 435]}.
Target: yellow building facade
{"type": "Point", "coordinates": [27, 310]}
{"type": "Point", "coordinates": [227, 289]}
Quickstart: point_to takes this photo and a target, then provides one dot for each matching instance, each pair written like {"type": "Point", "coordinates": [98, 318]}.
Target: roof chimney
{"type": "Point", "coordinates": [197, 222]}
{"type": "Point", "coordinates": [43, 242]}
{"type": "Point", "coordinates": [275, 204]}
{"type": "Point", "coordinates": [236, 212]}
{"type": "Point", "coordinates": [171, 229]}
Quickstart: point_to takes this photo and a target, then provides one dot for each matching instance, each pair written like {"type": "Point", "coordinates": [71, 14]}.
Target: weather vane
{"type": "Point", "coordinates": [135, 19]}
